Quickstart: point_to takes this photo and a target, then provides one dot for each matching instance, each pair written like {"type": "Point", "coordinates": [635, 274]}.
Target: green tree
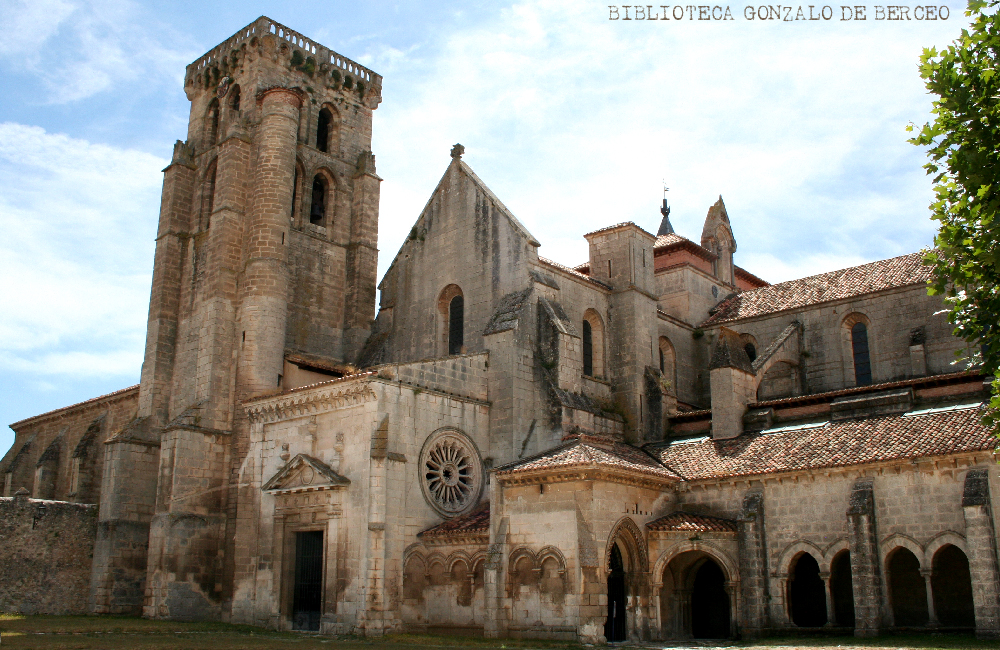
{"type": "Point", "coordinates": [963, 143]}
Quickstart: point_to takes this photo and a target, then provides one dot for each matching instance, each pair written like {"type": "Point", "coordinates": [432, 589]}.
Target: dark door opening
{"type": "Point", "coordinates": [307, 600]}
{"type": "Point", "coordinates": [951, 583]}
{"type": "Point", "coordinates": [807, 593]}
{"type": "Point", "coordinates": [906, 589]}
{"type": "Point", "coordinates": [842, 586]}
{"type": "Point", "coordinates": [709, 603]}
{"type": "Point", "coordinates": [614, 627]}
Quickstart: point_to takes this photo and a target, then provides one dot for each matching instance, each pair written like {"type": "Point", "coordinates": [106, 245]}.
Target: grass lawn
{"type": "Point", "coordinates": [113, 632]}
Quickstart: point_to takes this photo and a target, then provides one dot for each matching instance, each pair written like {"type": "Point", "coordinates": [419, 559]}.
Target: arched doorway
{"type": "Point", "coordinates": [906, 589]}
{"type": "Point", "coordinates": [842, 586]}
{"type": "Point", "coordinates": [614, 627]}
{"type": "Point", "coordinates": [807, 593]}
{"type": "Point", "coordinates": [709, 602]}
{"type": "Point", "coordinates": [952, 587]}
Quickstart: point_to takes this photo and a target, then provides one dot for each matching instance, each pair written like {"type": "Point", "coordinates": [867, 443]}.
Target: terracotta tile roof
{"type": "Point", "coordinates": [588, 452]}
{"type": "Point", "coordinates": [572, 272]}
{"type": "Point", "coordinates": [618, 225]}
{"type": "Point", "coordinates": [690, 522]}
{"type": "Point", "coordinates": [474, 524]}
{"type": "Point", "coordinates": [839, 444]}
{"type": "Point", "coordinates": [92, 400]}
{"type": "Point", "coordinates": [825, 287]}
{"type": "Point", "coordinates": [666, 240]}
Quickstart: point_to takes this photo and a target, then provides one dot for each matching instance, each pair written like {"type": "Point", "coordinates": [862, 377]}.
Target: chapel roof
{"type": "Point", "coordinates": [918, 434]}
{"type": "Point", "coordinates": [587, 451]}
{"type": "Point", "coordinates": [475, 523]}
{"type": "Point", "coordinates": [693, 523]}
{"type": "Point", "coordinates": [895, 272]}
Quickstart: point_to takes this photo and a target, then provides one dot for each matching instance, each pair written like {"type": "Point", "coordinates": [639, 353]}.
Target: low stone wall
{"type": "Point", "coordinates": [46, 549]}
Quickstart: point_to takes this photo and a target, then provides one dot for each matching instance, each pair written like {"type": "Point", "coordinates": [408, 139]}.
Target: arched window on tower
{"type": "Point", "coordinates": [593, 344]}
{"type": "Point", "coordinates": [212, 123]}
{"type": "Point", "coordinates": [317, 211]}
{"type": "Point", "coordinates": [323, 130]}
{"type": "Point", "coordinates": [451, 307]}
{"type": "Point", "coordinates": [234, 98]}
{"type": "Point", "coordinates": [208, 197]}
{"type": "Point", "coordinates": [456, 325]}
{"type": "Point", "coordinates": [667, 363]}
{"type": "Point", "coordinates": [862, 357]}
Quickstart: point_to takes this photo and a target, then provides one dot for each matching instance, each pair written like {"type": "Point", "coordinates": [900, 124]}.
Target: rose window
{"type": "Point", "coordinates": [452, 474]}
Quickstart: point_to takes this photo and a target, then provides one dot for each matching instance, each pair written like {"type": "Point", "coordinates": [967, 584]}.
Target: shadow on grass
{"type": "Point", "coordinates": [121, 632]}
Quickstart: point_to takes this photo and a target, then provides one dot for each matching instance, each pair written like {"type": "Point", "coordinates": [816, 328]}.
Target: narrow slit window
{"type": "Point", "coordinates": [862, 357]}
{"type": "Point", "coordinates": [323, 130]}
{"type": "Point", "coordinates": [456, 325]}
{"type": "Point", "coordinates": [318, 209]}
{"type": "Point", "coordinates": [588, 349]}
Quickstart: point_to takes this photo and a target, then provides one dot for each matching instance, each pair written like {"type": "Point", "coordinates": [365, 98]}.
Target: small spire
{"type": "Point", "coordinates": [457, 151]}
{"type": "Point", "coordinates": [665, 227]}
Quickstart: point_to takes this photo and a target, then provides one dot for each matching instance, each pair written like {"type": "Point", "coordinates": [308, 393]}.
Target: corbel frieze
{"type": "Point", "coordinates": [319, 400]}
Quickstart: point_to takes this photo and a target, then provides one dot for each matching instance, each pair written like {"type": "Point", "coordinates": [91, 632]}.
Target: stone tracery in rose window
{"type": "Point", "coordinates": [451, 473]}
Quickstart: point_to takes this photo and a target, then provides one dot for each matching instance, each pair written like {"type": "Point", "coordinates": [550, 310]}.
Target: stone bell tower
{"type": "Point", "coordinates": [265, 265]}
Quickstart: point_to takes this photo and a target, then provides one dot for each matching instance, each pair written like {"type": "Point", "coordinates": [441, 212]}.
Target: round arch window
{"type": "Point", "coordinates": [451, 472]}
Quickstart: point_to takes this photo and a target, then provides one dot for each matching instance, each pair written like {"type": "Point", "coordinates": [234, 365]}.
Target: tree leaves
{"type": "Point", "coordinates": [964, 150]}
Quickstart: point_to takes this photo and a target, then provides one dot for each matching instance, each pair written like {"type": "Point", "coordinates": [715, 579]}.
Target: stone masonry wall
{"type": "Point", "coordinates": [75, 432]}
{"type": "Point", "coordinates": [46, 549]}
{"type": "Point", "coordinates": [892, 315]}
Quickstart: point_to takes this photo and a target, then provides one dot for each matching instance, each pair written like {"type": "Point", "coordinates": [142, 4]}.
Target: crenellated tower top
{"type": "Point", "coordinates": [319, 65]}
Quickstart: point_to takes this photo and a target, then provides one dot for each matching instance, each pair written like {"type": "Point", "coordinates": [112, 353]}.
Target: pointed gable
{"type": "Point", "coordinates": [717, 229]}
{"type": "Point", "coordinates": [304, 474]}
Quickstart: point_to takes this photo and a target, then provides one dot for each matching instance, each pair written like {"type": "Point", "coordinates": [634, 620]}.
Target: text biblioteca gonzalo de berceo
{"type": "Point", "coordinates": [785, 13]}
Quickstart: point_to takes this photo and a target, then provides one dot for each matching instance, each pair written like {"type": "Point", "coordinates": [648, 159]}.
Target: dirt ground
{"type": "Point", "coordinates": [110, 633]}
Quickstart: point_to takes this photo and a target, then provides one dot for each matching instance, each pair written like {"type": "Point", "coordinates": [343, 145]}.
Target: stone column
{"type": "Point", "coordinates": [753, 617]}
{"type": "Point", "coordinates": [831, 614]}
{"type": "Point", "coordinates": [734, 606]}
{"type": "Point", "coordinates": [866, 570]}
{"type": "Point", "coordinates": [932, 619]}
{"type": "Point", "coordinates": [982, 547]}
{"type": "Point", "coordinates": [264, 306]}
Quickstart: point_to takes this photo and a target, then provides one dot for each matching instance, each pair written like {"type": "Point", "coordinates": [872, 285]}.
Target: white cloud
{"type": "Point", "coordinates": [573, 120]}
{"type": "Point", "coordinates": [82, 48]}
{"type": "Point", "coordinates": [79, 222]}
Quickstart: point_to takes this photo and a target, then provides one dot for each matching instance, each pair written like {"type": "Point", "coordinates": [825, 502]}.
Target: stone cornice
{"type": "Point", "coordinates": [103, 400]}
{"type": "Point", "coordinates": [591, 472]}
{"type": "Point", "coordinates": [310, 400]}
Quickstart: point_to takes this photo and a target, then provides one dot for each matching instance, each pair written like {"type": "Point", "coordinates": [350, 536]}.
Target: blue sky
{"type": "Point", "coordinates": [571, 118]}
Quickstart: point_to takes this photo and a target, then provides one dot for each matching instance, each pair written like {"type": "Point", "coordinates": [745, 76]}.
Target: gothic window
{"type": "Point", "coordinates": [208, 196]}
{"type": "Point", "coordinates": [593, 344]}
{"type": "Point", "coordinates": [451, 307]}
{"type": "Point", "coordinates": [667, 362]}
{"type": "Point", "coordinates": [862, 359]}
{"type": "Point", "coordinates": [456, 325]}
{"type": "Point", "coordinates": [323, 130]}
{"type": "Point", "coordinates": [212, 123]}
{"type": "Point", "coordinates": [234, 98]}
{"type": "Point", "coordinates": [318, 209]}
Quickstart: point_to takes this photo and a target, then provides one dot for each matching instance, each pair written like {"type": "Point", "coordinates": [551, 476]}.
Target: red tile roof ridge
{"type": "Point", "coordinates": [847, 443]}
{"type": "Point", "coordinates": [92, 400]}
{"type": "Point", "coordinates": [573, 272]}
{"type": "Point", "coordinates": [693, 522]}
{"type": "Point", "coordinates": [475, 522]}
{"type": "Point", "coordinates": [880, 275]}
{"type": "Point", "coordinates": [590, 453]}
{"type": "Point", "coordinates": [298, 389]}
{"type": "Point", "coordinates": [619, 225]}
{"type": "Point", "coordinates": [974, 373]}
